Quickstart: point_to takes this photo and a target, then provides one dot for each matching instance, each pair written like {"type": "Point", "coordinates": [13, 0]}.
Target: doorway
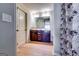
{"type": "Point", "coordinates": [38, 31]}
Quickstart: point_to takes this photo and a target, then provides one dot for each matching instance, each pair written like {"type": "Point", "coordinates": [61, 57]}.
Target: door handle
{"type": "Point", "coordinates": [17, 30]}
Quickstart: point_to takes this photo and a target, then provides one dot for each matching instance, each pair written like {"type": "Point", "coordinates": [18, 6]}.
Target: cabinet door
{"type": "Point", "coordinates": [33, 35]}
{"type": "Point", "coordinates": [40, 38]}
{"type": "Point", "coordinates": [46, 36]}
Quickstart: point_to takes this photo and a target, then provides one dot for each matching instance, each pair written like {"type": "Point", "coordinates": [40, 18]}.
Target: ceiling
{"type": "Point", "coordinates": [38, 6]}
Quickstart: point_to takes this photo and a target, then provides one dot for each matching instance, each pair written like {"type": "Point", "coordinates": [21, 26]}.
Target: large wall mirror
{"type": "Point", "coordinates": [43, 22]}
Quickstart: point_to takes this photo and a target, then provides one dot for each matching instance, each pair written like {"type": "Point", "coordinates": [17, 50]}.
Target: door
{"type": "Point", "coordinates": [20, 27]}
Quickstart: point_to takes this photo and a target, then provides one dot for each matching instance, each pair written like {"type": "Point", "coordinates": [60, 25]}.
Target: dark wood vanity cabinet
{"type": "Point", "coordinates": [40, 35]}
{"type": "Point", "coordinates": [33, 35]}
{"type": "Point", "coordinates": [46, 36]}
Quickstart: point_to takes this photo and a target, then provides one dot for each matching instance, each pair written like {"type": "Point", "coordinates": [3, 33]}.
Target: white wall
{"type": "Point", "coordinates": [52, 23]}
{"type": "Point", "coordinates": [56, 37]}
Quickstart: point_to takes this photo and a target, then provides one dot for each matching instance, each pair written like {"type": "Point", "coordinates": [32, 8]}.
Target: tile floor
{"type": "Point", "coordinates": [35, 49]}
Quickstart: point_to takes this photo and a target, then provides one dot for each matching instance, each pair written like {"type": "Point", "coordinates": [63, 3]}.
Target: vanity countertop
{"type": "Point", "coordinates": [41, 29]}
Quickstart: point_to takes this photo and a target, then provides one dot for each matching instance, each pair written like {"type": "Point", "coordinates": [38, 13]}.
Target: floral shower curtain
{"type": "Point", "coordinates": [69, 29]}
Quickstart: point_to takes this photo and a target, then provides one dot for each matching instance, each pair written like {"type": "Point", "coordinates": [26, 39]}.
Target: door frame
{"type": "Point", "coordinates": [25, 23]}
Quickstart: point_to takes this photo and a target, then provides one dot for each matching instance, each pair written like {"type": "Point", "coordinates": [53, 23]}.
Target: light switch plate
{"type": "Point", "coordinates": [6, 17]}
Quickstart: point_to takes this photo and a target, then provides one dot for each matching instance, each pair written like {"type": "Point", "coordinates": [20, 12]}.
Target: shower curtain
{"type": "Point", "coordinates": [69, 29]}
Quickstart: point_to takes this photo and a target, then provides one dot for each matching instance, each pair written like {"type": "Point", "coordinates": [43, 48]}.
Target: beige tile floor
{"type": "Point", "coordinates": [35, 49]}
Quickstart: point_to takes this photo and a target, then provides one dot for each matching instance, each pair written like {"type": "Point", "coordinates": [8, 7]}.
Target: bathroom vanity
{"type": "Point", "coordinates": [40, 35]}
{"type": "Point", "coordinates": [40, 29]}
